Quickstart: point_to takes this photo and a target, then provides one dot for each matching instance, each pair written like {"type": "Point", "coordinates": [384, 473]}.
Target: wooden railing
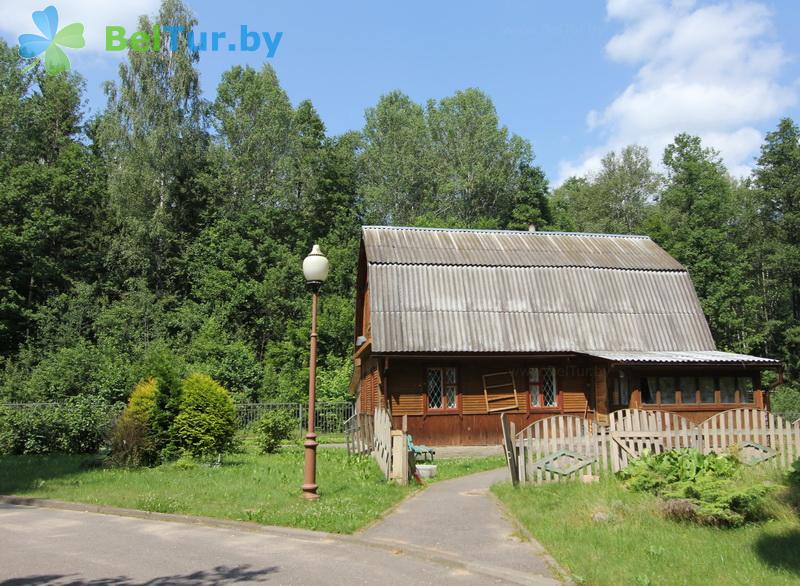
{"type": "Point", "coordinates": [359, 433]}
{"type": "Point", "coordinates": [568, 447]}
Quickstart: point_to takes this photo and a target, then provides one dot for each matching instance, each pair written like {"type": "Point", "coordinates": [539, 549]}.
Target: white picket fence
{"type": "Point", "coordinates": [568, 446]}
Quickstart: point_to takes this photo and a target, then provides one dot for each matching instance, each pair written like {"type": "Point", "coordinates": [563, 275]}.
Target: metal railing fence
{"type": "Point", "coordinates": [329, 417]}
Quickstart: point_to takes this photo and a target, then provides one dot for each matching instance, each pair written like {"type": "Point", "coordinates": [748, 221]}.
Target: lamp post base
{"type": "Point", "coordinates": [310, 485]}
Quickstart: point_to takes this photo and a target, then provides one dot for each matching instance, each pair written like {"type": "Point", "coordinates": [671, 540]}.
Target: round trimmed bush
{"type": "Point", "coordinates": [272, 428]}
{"type": "Point", "coordinates": [206, 421]}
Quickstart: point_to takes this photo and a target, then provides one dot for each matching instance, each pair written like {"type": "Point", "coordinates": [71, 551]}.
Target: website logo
{"type": "Point", "coordinates": [49, 45]}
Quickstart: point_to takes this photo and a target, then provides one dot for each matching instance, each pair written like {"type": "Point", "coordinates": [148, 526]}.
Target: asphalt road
{"type": "Point", "coordinates": [49, 546]}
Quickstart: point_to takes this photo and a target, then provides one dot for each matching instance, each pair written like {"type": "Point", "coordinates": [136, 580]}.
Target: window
{"type": "Point", "coordinates": [688, 388]}
{"type": "Point", "coordinates": [666, 385]}
{"type": "Point", "coordinates": [442, 388]}
{"type": "Point", "coordinates": [549, 394]}
{"type": "Point", "coordinates": [727, 389]}
{"type": "Point", "coordinates": [621, 392]}
{"type": "Point", "coordinates": [706, 386]}
{"type": "Point", "coordinates": [533, 380]}
{"type": "Point", "coordinates": [544, 392]}
{"type": "Point", "coordinates": [648, 387]}
{"type": "Point", "coordinates": [450, 387]}
{"type": "Point", "coordinates": [745, 386]}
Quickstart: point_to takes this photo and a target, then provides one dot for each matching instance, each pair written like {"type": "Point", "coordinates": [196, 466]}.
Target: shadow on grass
{"type": "Point", "coordinates": [217, 575]}
{"type": "Point", "coordinates": [781, 550]}
{"type": "Point", "coordinates": [19, 474]}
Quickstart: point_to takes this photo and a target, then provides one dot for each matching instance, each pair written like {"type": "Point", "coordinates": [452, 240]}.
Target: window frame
{"type": "Point", "coordinates": [444, 386]}
{"type": "Point", "coordinates": [744, 387]}
{"type": "Point", "coordinates": [535, 389]}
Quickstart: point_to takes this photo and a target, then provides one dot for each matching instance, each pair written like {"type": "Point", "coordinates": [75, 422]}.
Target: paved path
{"type": "Point", "coordinates": [460, 520]}
{"type": "Point", "coordinates": [451, 533]}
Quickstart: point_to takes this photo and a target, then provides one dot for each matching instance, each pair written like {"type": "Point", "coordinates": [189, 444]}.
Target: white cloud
{"type": "Point", "coordinates": [710, 70]}
{"type": "Point", "coordinates": [94, 14]}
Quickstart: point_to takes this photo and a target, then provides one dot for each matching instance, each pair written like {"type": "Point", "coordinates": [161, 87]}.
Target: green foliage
{"type": "Point", "coordinates": [653, 472]}
{"type": "Point", "coordinates": [78, 426]}
{"type": "Point", "coordinates": [274, 427]}
{"type": "Point", "coordinates": [617, 200]}
{"type": "Point", "coordinates": [142, 401]}
{"type": "Point", "coordinates": [722, 502]}
{"type": "Point", "coordinates": [81, 369]}
{"type": "Point", "coordinates": [794, 474]}
{"type": "Point", "coordinates": [785, 400]}
{"type": "Point", "coordinates": [131, 442]}
{"type": "Point", "coordinates": [167, 369]}
{"type": "Point", "coordinates": [777, 258]}
{"type": "Point", "coordinates": [166, 223]}
{"type": "Point", "coordinates": [708, 488]}
{"type": "Point", "coordinates": [206, 423]}
{"type": "Point", "coordinates": [228, 361]}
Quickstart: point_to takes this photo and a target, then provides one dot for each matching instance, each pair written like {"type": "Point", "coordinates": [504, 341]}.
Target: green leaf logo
{"type": "Point", "coordinates": [33, 46]}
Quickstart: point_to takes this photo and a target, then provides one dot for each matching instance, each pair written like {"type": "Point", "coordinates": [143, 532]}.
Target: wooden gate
{"type": "Point", "coordinates": [560, 447]}
{"type": "Point", "coordinates": [633, 430]}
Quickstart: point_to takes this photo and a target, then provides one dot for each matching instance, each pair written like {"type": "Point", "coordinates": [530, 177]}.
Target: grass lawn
{"type": "Point", "coordinates": [637, 546]}
{"type": "Point", "coordinates": [249, 487]}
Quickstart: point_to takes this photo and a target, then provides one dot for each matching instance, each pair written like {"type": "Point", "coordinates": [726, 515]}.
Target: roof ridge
{"type": "Point", "coordinates": [536, 266]}
{"type": "Point", "coordinates": [509, 232]}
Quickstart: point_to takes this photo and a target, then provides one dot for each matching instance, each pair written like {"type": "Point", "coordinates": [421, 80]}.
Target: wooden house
{"type": "Point", "coordinates": [454, 327]}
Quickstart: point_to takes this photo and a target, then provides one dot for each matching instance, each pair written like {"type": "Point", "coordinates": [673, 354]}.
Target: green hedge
{"type": "Point", "coordinates": [80, 425]}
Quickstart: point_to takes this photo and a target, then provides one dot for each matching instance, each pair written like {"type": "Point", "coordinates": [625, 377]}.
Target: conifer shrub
{"type": "Point", "coordinates": [132, 442]}
{"type": "Point", "coordinates": [162, 364]}
{"type": "Point", "coordinates": [206, 420]}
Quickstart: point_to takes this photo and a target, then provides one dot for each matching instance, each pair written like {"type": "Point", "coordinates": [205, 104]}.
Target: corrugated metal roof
{"type": "Point", "coordinates": [523, 292]}
{"type": "Point", "coordinates": [385, 244]}
{"type": "Point", "coordinates": [706, 357]}
{"type": "Point", "coordinates": [435, 308]}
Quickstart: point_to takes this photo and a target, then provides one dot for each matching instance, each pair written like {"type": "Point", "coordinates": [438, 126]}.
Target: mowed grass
{"type": "Point", "coordinates": [638, 546]}
{"type": "Point", "coordinates": [247, 486]}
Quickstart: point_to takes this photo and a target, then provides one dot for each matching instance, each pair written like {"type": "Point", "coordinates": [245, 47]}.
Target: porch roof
{"type": "Point", "coordinates": [695, 358]}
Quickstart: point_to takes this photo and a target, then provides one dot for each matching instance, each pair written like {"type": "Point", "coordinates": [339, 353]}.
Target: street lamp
{"type": "Point", "coordinates": [315, 270]}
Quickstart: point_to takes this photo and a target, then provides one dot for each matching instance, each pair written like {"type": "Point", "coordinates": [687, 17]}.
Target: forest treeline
{"type": "Point", "coordinates": [172, 224]}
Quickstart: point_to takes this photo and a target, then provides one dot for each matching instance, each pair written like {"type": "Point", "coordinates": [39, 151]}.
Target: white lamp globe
{"type": "Point", "coordinates": [315, 266]}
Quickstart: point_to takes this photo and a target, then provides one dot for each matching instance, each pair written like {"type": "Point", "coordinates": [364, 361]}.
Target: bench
{"type": "Point", "coordinates": [423, 451]}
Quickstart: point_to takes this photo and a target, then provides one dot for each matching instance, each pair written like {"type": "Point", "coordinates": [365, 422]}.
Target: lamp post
{"type": "Point", "coordinates": [315, 270]}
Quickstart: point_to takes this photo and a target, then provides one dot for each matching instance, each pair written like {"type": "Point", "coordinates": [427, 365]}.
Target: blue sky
{"type": "Point", "coordinates": [574, 78]}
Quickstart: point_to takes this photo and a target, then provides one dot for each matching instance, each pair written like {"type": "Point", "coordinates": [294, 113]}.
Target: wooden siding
{"type": "Point", "coordinates": [583, 385]}
{"type": "Point", "coordinates": [370, 395]}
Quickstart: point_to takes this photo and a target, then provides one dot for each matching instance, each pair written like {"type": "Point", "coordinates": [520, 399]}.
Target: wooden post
{"type": "Point", "coordinates": [601, 394]}
{"type": "Point", "coordinates": [399, 472]}
{"type": "Point", "coordinates": [758, 397]}
{"type": "Point", "coordinates": [509, 448]}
